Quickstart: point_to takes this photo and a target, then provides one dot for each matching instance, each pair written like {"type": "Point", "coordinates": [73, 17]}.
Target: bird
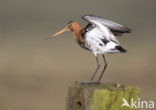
{"type": "Point", "coordinates": [98, 36]}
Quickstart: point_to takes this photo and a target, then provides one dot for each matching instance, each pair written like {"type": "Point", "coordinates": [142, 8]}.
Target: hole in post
{"type": "Point", "coordinates": [78, 104]}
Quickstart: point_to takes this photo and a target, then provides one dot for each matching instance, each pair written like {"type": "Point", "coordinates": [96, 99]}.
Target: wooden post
{"type": "Point", "coordinates": [107, 96]}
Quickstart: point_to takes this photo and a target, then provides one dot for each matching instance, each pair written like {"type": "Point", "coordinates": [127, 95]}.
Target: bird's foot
{"type": "Point", "coordinates": [90, 83]}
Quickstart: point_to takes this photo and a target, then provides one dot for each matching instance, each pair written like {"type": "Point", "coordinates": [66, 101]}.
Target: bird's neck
{"type": "Point", "coordinates": [77, 33]}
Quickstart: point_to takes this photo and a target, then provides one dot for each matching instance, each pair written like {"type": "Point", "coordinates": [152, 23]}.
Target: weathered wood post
{"type": "Point", "coordinates": [107, 96]}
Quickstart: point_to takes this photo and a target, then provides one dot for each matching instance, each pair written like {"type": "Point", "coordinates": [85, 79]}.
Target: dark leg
{"type": "Point", "coordinates": [105, 66]}
{"type": "Point", "coordinates": [98, 66]}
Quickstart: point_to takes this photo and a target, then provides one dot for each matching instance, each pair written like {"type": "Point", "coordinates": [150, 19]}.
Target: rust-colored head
{"type": "Point", "coordinates": [73, 26]}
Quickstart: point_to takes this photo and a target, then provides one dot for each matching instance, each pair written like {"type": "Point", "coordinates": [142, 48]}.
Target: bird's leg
{"type": "Point", "coordinates": [98, 66]}
{"type": "Point", "coordinates": [105, 66]}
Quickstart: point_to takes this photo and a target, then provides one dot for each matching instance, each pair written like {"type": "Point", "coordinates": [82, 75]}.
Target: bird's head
{"type": "Point", "coordinates": [73, 26]}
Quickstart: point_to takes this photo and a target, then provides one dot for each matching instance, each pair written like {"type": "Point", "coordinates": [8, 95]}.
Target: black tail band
{"type": "Point", "coordinates": [121, 49]}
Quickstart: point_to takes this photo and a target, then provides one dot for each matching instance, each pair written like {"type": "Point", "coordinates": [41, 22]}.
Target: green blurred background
{"type": "Point", "coordinates": [35, 73]}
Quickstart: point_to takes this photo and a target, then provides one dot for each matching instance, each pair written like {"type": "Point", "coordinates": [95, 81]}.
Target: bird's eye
{"type": "Point", "coordinates": [70, 25]}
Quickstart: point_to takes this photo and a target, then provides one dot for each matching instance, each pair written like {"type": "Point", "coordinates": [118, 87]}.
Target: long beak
{"type": "Point", "coordinates": [58, 33]}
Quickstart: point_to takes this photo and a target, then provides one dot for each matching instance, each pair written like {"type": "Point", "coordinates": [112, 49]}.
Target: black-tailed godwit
{"type": "Point", "coordinates": [99, 36]}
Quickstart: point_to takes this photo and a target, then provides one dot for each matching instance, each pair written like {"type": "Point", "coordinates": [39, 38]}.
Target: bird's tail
{"type": "Point", "coordinates": [121, 49]}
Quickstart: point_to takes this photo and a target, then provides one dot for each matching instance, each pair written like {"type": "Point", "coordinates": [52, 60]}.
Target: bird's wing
{"type": "Point", "coordinates": [96, 39]}
{"type": "Point", "coordinates": [97, 30]}
{"type": "Point", "coordinates": [116, 28]}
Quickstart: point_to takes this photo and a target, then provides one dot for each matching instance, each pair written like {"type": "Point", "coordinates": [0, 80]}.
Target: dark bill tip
{"type": "Point", "coordinates": [48, 38]}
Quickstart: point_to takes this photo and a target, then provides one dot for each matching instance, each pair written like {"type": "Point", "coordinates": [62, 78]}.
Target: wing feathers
{"type": "Point", "coordinates": [116, 28]}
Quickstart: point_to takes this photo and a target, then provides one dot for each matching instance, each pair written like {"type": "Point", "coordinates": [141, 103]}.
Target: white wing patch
{"type": "Point", "coordinates": [94, 41]}
{"type": "Point", "coordinates": [105, 31]}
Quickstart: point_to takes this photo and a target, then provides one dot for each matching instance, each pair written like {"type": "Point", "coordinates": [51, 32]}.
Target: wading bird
{"type": "Point", "coordinates": [99, 36]}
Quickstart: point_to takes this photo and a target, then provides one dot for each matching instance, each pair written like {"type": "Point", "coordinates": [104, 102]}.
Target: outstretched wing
{"type": "Point", "coordinates": [97, 31]}
{"type": "Point", "coordinates": [116, 28]}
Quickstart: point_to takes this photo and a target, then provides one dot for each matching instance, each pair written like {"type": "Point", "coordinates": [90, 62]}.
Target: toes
{"type": "Point", "coordinates": [89, 83]}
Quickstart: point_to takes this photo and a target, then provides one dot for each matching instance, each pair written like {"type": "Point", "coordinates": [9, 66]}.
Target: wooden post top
{"type": "Point", "coordinates": [104, 96]}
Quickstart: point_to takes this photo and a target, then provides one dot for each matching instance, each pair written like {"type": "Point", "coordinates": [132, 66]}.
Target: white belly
{"type": "Point", "coordinates": [98, 48]}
